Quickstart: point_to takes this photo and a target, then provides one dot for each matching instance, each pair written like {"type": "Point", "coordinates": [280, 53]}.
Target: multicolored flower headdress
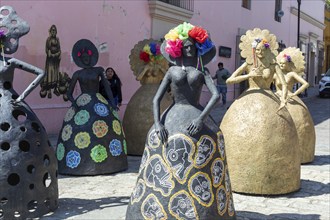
{"type": "Point", "coordinates": [287, 57]}
{"type": "Point", "coordinates": [151, 53]}
{"type": "Point", "coordinates": [177, 35]}
{"type": "Point", "coordinates": [172, 47]}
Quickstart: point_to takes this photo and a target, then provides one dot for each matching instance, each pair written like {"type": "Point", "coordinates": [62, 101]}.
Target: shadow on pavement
{"type": "Point", "coordinates": [320, 160]}
{"type": "Point", "coordinates": [280, 216]}
{"type": "Point", "coordinates": [69, 207]}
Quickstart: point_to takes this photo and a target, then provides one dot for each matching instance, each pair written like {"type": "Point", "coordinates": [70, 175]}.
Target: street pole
{"type": "Point", "coordinates": [298, 31]}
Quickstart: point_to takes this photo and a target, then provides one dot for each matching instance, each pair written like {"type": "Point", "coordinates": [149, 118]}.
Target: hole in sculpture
{"type": "Point", "coordinates": [5, 146]}
{"type": "Point", "coordinates": [19, 115]}
{"type": "Point", "coordinates": [7, 85]}
{"type": "Point", "coordinates": [35, 126]}
{"type": "Point", "coordinates": [17, 214]}
{"type": "Point", "coordinates": [5, 12]}
{"type": "Point", "coordinates": [5, 126]}
{"type": "Point", "coordinates": [23, 129]}
{"type": "Point", "coordinates": [1, 213]}
{"type": "Point", "coordinates": [14, 96]}
{"type": "Point", "coordinates": [31, 186]}
{"type": "Point", "coordinates": [13, 179]}
{"type": "Point", "coordinates": [13, 41]}
{"type": "Point", "coordinates": [14, 21]}
{"type": "Point", "coordinates": [3, 201]}
{"type": "Point", "coordinates": [46, 160]}
{"type": "Point", "coordinates": [47, 180]}
{"type": "Point", "coordinates": [32, 205]}
{"type": "Point", "coordinates": [24, 146]}
{"type": "Point", "coordinates": [47, 203]}
{"type": "Point", "coordinates": [31, 169]}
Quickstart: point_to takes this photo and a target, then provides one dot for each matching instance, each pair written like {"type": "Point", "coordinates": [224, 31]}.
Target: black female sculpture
{"type": "Point", "coordinates": [183, 172]}
{"type": "Point", "coordinates": [91, 141]}
{"type": "Point", "coordinates": [28, 166]}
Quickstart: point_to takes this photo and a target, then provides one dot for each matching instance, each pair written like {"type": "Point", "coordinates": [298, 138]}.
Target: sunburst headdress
{"type": "Point", "coordinates": [252, 38]}
{"type": "Point", "coordinates": [294, 56]}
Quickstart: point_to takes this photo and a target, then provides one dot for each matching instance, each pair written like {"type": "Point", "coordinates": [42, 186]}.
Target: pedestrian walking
{"type": "Point", "coordinates": [221, 76]}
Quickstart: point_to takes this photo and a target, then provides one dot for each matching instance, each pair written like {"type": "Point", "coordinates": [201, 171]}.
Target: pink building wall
{"type": "Point", "coordinates": [121, 24]}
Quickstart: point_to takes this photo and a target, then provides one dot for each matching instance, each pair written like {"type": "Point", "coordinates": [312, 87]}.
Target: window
{"type": "Point", "coordinates": [278, 10]}
{"type": "Point", "coordinates": [246, 4]}
{"type": "Point", "coordinates": [186, 4]}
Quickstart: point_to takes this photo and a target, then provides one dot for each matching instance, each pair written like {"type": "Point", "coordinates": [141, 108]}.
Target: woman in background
{"type": "Point", "coordinates": [115, 85]}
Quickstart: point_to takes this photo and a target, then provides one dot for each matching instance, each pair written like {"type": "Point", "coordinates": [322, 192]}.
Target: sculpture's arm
{"type": "Point", "coordinates": [28, 68]}
{"type": "Point", "coordinates": [160, 129]}
{"type": "Point", "coordinates": [107, 90]}
{"type": "Point", "coordinates": [73, 82]}
{"type": "Point", "coordinates": [236, 77]}
{"type": "Point", "coordinates": [281, 78]}
{"type": "Point", "coordinates": [197, 124]}
{"type": "Point", "coordinates": [304, 84]}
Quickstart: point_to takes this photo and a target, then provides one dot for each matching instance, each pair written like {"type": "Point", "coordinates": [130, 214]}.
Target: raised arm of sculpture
{"type": "Point", "coordinates": [15, 63]}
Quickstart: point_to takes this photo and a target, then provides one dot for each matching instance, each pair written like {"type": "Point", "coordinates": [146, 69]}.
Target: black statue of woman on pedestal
{"type": "Point", "coordinates": [183, 172]}
{"type": "Point", "coordinates": [28, 166]}
{"type": "Point", "coordinates": [91, 140]}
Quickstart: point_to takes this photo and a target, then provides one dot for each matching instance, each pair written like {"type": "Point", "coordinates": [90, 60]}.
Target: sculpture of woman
{"type": "Point", "coordinates": [53, 52]}
{"type": "Point", "coordinates": [91, 140]}
{"type": "Point", "coordinates": [183, 172]}
{"type": "Point", "coordinates": [292, 64]}
{"type": "Point", "coordinates": [261, 139]}
{"type": "Point", "coordinates": [28, 166]}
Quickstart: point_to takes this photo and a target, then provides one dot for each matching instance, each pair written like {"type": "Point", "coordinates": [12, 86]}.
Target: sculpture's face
{"type": "Point", "coordinates": [85, 58]}
{"type": "Point", "coordinates": [200, 187]}
{"type": "Point", "coordinates": [53, 31]}
{"type": "Point", "coordinates": [284, 65]}
{"type": "Point", "coordinates": [189, 48]}
{"type": "Point", "coordinates": [260, 50]}
{"type": "Point", "coordinates": [152, 209]}
{"type": "Point", "coordinates": [205, 149]}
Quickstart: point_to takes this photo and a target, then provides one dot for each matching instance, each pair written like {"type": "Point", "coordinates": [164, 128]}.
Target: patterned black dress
{"type": "Point", "coordinates": [187, 177]}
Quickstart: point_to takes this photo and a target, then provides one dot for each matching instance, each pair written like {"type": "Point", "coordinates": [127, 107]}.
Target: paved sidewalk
{"type": "Point", "coordinates": [107, 196]}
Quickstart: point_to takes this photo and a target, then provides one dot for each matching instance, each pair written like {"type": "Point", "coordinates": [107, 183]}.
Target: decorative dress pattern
{"type": "Point", "coordinates": [91, 140]}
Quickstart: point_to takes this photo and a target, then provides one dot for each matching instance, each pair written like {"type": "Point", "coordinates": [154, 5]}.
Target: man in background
{"type": "Point", "coordinates": [222, 75]}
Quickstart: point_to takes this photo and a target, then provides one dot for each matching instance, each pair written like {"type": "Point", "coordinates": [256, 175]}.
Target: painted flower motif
{"type": "Point", "coordinates": [81, 117]}
{"type": "Point", "coordinates": [73, 159]}
{"type": "Point", "coordinates": [100, 128]}
{"type": "Point", "coordinates": [99, 153]}
{"type": "Point", "coordinates": [101, 98]}
{"type": "Point", "coordinates": [125, 146]}
{"type": "Point", "coordinates": [69, 114]}
{"type": "Point", "coordinates": [60, 150]}
{"type": "Point", "coordinates": [115, 113]}
{"type": "Point", "coordinates": [116, 126]}
{"type": "Point", "coordinates": [101, 109]}
{"type": "Point", "coordinates": [66, 132]}
{"type": "Point", "coordinates": [115, 147]}
{"type": "Point", "coordinates": [83, 100]}
{"type": "Point", "coordinates": [82, 140]}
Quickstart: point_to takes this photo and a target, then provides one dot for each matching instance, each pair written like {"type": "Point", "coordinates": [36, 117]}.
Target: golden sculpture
{"type": "Point", "coordinates": [292, 64]}
{"type": "Point", "coordinates": [149, 67]}
{"type": "Point", "coordinates": [53, 52]}
{"type": "Point", "coordinates": [261, 138]}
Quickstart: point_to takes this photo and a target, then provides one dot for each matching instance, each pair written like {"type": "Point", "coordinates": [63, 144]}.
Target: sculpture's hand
{"type": "Point", "coordinates": [161, 132]}
{"type": "Point", "coordinates": [255, 73]}
{"type": "Point", "coordinates": [282, 105]}
{"type": "Point", "coordinates": [16, 102]}
{"type": "Point", "coordinates": [195, 126]}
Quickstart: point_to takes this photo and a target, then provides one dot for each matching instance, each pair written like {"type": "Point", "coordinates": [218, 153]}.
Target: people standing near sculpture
{"type": "Point", "coordinates": [28, 166]}
{"type": "Point", "coordinates": [91, 140]}
{"type": "Point", "coordinates": [221, 76]}
{"type": "Point", "coordinates": [183, 172]}
{"type": "Point", "coordinates": [53, 59]}
{"type": "Point", "coordinates": [261, 138]}
{"type": "Point", "coordinates": [115, 85]}
{"type": "Point", "coordinates": [292, 64]}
